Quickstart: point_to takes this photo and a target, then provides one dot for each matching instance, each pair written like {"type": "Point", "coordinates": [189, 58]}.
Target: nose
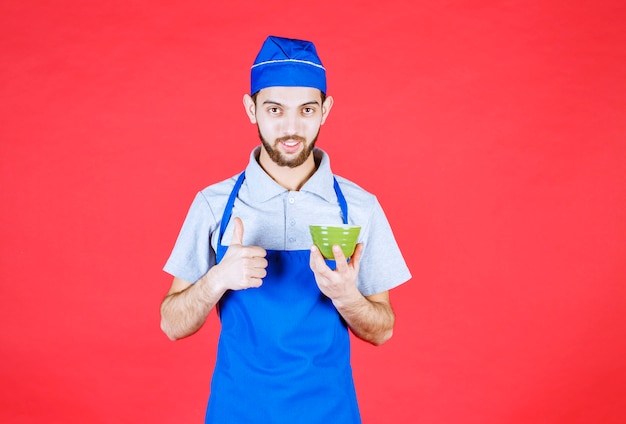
{"type": "Point", "coordinates": [291, 123]}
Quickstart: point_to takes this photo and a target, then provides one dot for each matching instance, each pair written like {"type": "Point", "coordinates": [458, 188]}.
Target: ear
{"type": "Point", "coordinates": [250, 108]}
{"type": "Point", "coordinates": [326, 106]}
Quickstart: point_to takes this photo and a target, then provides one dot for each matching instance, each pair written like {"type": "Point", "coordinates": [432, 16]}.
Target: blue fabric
{"type": "Point", "coordinates": [284, 350]}
{"type": "Point", "coordinates": [285, 62]}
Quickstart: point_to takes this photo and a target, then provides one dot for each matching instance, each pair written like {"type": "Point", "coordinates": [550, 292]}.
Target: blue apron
{"type": "Point", "coordinates": [284, 351]}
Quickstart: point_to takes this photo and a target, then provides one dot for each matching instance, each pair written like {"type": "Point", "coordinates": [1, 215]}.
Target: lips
{"type": "Point", "coordinates": [291, 145]}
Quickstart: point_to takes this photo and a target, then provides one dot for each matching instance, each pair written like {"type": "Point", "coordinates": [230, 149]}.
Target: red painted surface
{"type": "Point", "coordinates": [492, 133]}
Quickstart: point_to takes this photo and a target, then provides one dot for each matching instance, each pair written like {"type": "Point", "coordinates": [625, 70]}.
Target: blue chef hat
{"type": "Point", "coordinates": [286, 62]}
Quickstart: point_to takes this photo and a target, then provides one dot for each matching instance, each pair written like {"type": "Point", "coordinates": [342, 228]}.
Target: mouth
{"type": "Point", "coordinates": [290, 144]}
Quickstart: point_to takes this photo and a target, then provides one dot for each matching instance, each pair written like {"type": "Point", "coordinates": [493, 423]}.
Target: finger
{"type": "Point", "coordinates": [255, 273]}
{"type": "Point", "coordinates": [252, 252]}
{"type": "Point", "coordinates": [259, 262]}
{"type": "Point", "coordinates": [340, 258]}
{"type": "Point", "coordinates": [355, 259]}
{"type": "Point", "coordinates": [237, 232]}
{"type": "Point", "coordinates": [316, 261]}
{"type": "Point", "coordinates": [256, 282]}
{"type": "Point", "coordinates": [256, 251]}
{"type": "Point", "coordinates": [258, 273]}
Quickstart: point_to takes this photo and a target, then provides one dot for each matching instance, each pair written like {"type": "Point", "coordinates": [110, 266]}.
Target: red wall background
{"type": "Point", "coordinates": [492, 132]}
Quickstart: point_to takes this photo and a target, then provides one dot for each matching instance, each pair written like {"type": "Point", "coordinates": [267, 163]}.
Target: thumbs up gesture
{"type": "Point", "coordinates": [242, 267]}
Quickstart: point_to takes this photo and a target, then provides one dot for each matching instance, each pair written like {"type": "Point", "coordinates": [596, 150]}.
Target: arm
{"type": "Point", "coordinates": [370, 318]}
{"type": "Point", "coordinates": [186, 306]}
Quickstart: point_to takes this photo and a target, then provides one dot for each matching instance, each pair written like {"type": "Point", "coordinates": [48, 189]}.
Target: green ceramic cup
{"type": "Point", "coordinates": [326, 236]}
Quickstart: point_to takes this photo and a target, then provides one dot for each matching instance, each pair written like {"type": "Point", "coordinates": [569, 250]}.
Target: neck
{"type": "Point", "coordinates": [290, 178]}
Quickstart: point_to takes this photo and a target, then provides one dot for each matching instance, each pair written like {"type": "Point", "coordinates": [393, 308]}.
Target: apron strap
{"type": "Point", "coordinates": [342, 201]}
{"type": "Point", "coordinates": [229, 207]}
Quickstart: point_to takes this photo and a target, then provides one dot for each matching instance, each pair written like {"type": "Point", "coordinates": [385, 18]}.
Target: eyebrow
{"type": "Point", "coordinates": [273, 102]}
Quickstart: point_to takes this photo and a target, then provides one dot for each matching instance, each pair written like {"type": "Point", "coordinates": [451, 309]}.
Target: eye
{"type": "Point", "coordinates": [274, 110]}
{"type": "Point", "coordinates": [308, 110]}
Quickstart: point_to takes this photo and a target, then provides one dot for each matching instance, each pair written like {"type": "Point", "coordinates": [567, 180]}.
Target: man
{"type": "Point", "coordinates": [245, 248]}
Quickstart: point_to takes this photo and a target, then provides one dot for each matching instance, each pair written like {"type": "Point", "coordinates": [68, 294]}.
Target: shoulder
{"type": "Point", "coordinates": [213, 198]}
{"type": "Point", "coordinates": [218, 191]}
{"type": "Point", "coordinates": [361, 203]}
{"type": "Point", "coordinates": [354, 192]}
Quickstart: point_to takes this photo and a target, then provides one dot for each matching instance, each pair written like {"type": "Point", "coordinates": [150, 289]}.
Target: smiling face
{"type": "Point", "coordinates": [288, 121]}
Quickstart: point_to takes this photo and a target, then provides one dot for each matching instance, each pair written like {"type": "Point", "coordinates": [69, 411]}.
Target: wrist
{"type": "Point", "coordinates": [210, 284]}
{"type": "Point", "coordinates": [351, 301]}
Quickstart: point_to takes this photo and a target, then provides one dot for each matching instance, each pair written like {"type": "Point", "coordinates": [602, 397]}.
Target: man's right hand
{"type": "Point", "coordinates": [242, 267]}
{"type": "Point", "coordinates": [186, 306]}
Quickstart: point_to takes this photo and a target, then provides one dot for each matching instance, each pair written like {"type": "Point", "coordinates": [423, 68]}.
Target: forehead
{"type": "Point", "coordinates": [289, 96]}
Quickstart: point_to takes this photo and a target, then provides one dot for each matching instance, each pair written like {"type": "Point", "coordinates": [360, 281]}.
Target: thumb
{"type": "Point", "coordinates": [237, 232]}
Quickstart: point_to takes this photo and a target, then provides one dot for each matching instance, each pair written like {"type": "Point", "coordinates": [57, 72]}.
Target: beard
{"type": "Point", "coordinates": [277, 157]}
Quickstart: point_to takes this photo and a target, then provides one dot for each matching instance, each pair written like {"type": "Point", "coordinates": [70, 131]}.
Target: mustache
{"type": "Point", "coordinates": [291, 137]}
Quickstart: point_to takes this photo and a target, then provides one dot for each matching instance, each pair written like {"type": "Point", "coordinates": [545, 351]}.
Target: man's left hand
{"type": "Point", "coordinates": [340, 285]}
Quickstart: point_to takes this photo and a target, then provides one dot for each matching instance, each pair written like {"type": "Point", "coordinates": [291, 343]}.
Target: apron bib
{"type": "Point", "coordinates": [283, 355]}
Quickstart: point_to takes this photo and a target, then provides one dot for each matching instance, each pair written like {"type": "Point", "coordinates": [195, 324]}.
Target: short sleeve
{"type": "Point", "coordinates": [382, 266]}
{"type": "Point", "coordinates": [193, 255]}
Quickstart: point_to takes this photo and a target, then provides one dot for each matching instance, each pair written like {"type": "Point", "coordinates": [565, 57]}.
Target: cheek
{"type": "Point", "coordinates": [268, 131]}
{"type": "Point", "coordinates": [313, 128]}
